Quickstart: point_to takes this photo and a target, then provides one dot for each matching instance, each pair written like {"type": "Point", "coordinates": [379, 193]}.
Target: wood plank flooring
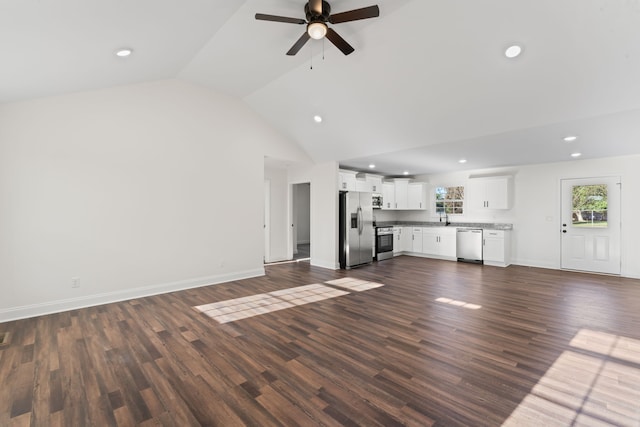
{"type": "Point", "coordinates": [440, 344]}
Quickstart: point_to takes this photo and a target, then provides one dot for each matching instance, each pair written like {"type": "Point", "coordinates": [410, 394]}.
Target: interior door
{"type": "Point", "coordinates": [591, 224]}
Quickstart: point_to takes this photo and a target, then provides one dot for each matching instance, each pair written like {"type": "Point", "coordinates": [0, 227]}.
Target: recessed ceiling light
{"type": "Point", "coordinates": [513, 51]}
{"type": "Point", "coordinates": [123, 53]}
{"type": "Point", "coordinates": [317, 119]}
{"type": "Point", "coordinates": [371, 166]}
{"type": "Point", "coordinates": [462, 161]}
{"type": "Point", "coordinates": [570, 138]}
{"type": "Point", "coordinates": [405, 173]}
{"type": "Point", "coordinates": [576, 154]}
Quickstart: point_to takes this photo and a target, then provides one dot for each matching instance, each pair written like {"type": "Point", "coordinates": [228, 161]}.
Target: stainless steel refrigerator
{"type": "Point", "coordinates": [356, 235]}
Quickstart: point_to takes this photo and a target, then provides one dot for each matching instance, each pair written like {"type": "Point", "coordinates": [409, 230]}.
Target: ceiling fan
{"type": "Point", "coordinates": [318, 14]}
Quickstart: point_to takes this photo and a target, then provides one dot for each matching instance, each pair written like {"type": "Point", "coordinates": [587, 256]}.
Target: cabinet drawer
{"type": "Point", "coordinates": [498, 234]}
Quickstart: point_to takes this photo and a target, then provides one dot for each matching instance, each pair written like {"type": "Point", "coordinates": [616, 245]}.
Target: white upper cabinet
{"type": "Point", "coordinates": [388, 195]}
{"type": "Point", "coordinates": [347, 181]}
{"type": "Point", "coordinates": [402, 193]}
{"type": "Point", "coordinates": [374, 182]}
{"type": "Point", "coordinates": [491, 192]}
{"type": "Point", "coordinates": [417, 196]}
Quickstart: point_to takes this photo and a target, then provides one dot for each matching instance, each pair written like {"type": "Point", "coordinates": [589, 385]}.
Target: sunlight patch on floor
{"type": "Point", "coordinates": [254, 305]}
{"type": "Point", "coordinates": [458, 303]}
{"type": "Point", "coordinates": [354, 284]}
{"type": "Point", "coordinates": [597, 384]}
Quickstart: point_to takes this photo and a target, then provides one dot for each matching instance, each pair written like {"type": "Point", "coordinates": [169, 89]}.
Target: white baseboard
{"type": "Point", "coordinates": [25, 311]}
{"type": "Point", "coordinates": [325, 264]}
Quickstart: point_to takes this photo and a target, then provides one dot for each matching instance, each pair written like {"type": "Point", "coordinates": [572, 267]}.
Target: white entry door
{"type": "Point", "coordinates": [591, 224]}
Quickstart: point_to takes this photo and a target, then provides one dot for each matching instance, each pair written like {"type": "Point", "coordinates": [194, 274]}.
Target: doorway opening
{"type": "Point", "coordinates": [301, 221]}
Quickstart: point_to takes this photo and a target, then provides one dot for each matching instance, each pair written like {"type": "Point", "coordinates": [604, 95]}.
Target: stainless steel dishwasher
{"type": "Point", "coordinates": [469, 245]}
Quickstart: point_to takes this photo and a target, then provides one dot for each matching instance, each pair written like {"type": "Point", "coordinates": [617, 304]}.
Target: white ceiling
{"type": "Point", "coordinates": [427, 85]}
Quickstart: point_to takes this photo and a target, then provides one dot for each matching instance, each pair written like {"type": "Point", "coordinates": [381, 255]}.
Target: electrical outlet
{"type": "Point", "coordinates": [75, 282]}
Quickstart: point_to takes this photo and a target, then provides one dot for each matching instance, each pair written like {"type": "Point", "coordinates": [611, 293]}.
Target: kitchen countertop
{"type": "Point", "coordinates": [483, 225]}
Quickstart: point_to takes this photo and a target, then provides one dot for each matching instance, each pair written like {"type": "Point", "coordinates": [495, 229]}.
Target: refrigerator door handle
{"type": "Point", "coordinates": [360, 226]}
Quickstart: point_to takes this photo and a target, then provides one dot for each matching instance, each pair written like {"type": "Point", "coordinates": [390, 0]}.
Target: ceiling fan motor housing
{"type": "Point", "coordinates": [312, 16]}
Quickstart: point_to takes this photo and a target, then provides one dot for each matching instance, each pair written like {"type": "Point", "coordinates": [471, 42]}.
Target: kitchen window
{"type": "Point", "coordinates": [449, 200]}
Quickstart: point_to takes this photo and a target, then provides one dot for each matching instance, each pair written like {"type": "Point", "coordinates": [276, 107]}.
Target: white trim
{"type": "Point", "coordinates": [327, 265]}
{"type": "Point", "coordinates": [50, 307]}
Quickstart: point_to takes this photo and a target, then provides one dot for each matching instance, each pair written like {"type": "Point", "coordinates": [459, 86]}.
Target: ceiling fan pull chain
{"type": "Point", "coordinates": [311, 53]}
{"type": "Point", "coordinates": [323, 48]}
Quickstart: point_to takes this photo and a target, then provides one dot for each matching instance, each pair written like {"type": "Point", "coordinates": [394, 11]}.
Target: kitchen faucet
{"type": "Point", "coordinates": [446, 218]}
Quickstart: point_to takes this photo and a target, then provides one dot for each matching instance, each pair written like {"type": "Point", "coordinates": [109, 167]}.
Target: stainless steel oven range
{"type": "Point", "coordinates": [384, 243]}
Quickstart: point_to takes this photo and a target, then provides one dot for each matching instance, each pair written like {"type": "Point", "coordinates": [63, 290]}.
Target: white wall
{"type": "Point", "coordinates": [536, 211]}
{"type": "Point", "coordinates": [134, 190]}
{"type": "Point", "coordinates": [323, 201]}
{"type": "Point", "coordinates": [279, 214]}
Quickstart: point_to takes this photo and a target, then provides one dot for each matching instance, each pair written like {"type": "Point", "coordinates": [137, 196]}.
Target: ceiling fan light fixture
{"type": "Point", "coordinates": [317, 30]}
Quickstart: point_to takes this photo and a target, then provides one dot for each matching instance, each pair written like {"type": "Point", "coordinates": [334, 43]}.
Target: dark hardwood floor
{"type": "Point", "coordinates": [441, 343]}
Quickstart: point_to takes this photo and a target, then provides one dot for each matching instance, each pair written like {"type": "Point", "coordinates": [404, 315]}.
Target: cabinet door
{"type": "Point", "coordinates": [417, 196]}
{"type": "Point", "coordinates": [397, 237]}
{"type": "Point", "coordinates": [401, 194]}
{"type": "Point", "coordinates": [347, 181]}
{"type": "Point", "coordinates": [475, 195]}
{"type": "Point", "coordinates": [493, 249]}
{"type": "Point", "coordinates": [430, 239]}
{"type": "Point", "coordinates": [375, 183]}
{"type": "Point", "coordinates": [496, 193]}
{"type": "Point", "coordinates": [388, 195]}
{"type": "Point", "coordinates": [490, 193]}
{"type": "Point", "coordinates": [447, 242]}
{"type": "Point", "coordinates": [406, 239]}
{"type": "Point", "coordinates": [416, 242]}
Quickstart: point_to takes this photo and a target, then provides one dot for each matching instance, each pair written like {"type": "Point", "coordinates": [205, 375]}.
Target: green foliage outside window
{"type": "Point", "coordinates": [589, 205]}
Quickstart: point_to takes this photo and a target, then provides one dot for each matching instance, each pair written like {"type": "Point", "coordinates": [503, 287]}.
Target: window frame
{"type": "Point", "coordinates": [461, 205]}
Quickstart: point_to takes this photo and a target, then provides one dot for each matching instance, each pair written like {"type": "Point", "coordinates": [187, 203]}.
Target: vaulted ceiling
{"type": "Point", "coordinates": [427, 85]}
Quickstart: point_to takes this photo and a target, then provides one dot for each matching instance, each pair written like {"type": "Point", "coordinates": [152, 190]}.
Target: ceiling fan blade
{"type": "Point", "coordinates": [298, 45]}
{"type": "Point", "coordinates": [340, 43]}
{"type": "Point", "coordinates": [315, 6]}
{"type": "Point", "coordinates": [354, 15]}
{"type": "Point", "coordinates": [274, 18]}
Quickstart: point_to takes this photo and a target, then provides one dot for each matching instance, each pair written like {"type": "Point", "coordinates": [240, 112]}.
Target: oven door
{"type": "Point", "coordinates": [384, 243]}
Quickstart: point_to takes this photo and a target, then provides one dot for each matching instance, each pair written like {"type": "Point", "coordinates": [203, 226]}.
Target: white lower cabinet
{"type": "Point", "coordinates": [397, 236]}
{"type": "Point", "coordinates": [406, 239]}
{"type": "Point", "coordinates": [496, 247]}
{"type": "Point", "coordinates": [439, 242]}
{"type": "Point", "coordinates": [416, 240]}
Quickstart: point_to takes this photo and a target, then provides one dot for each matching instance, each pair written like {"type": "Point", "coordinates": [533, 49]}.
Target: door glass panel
{"type": "Point", "coordinates": [589, 206]}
